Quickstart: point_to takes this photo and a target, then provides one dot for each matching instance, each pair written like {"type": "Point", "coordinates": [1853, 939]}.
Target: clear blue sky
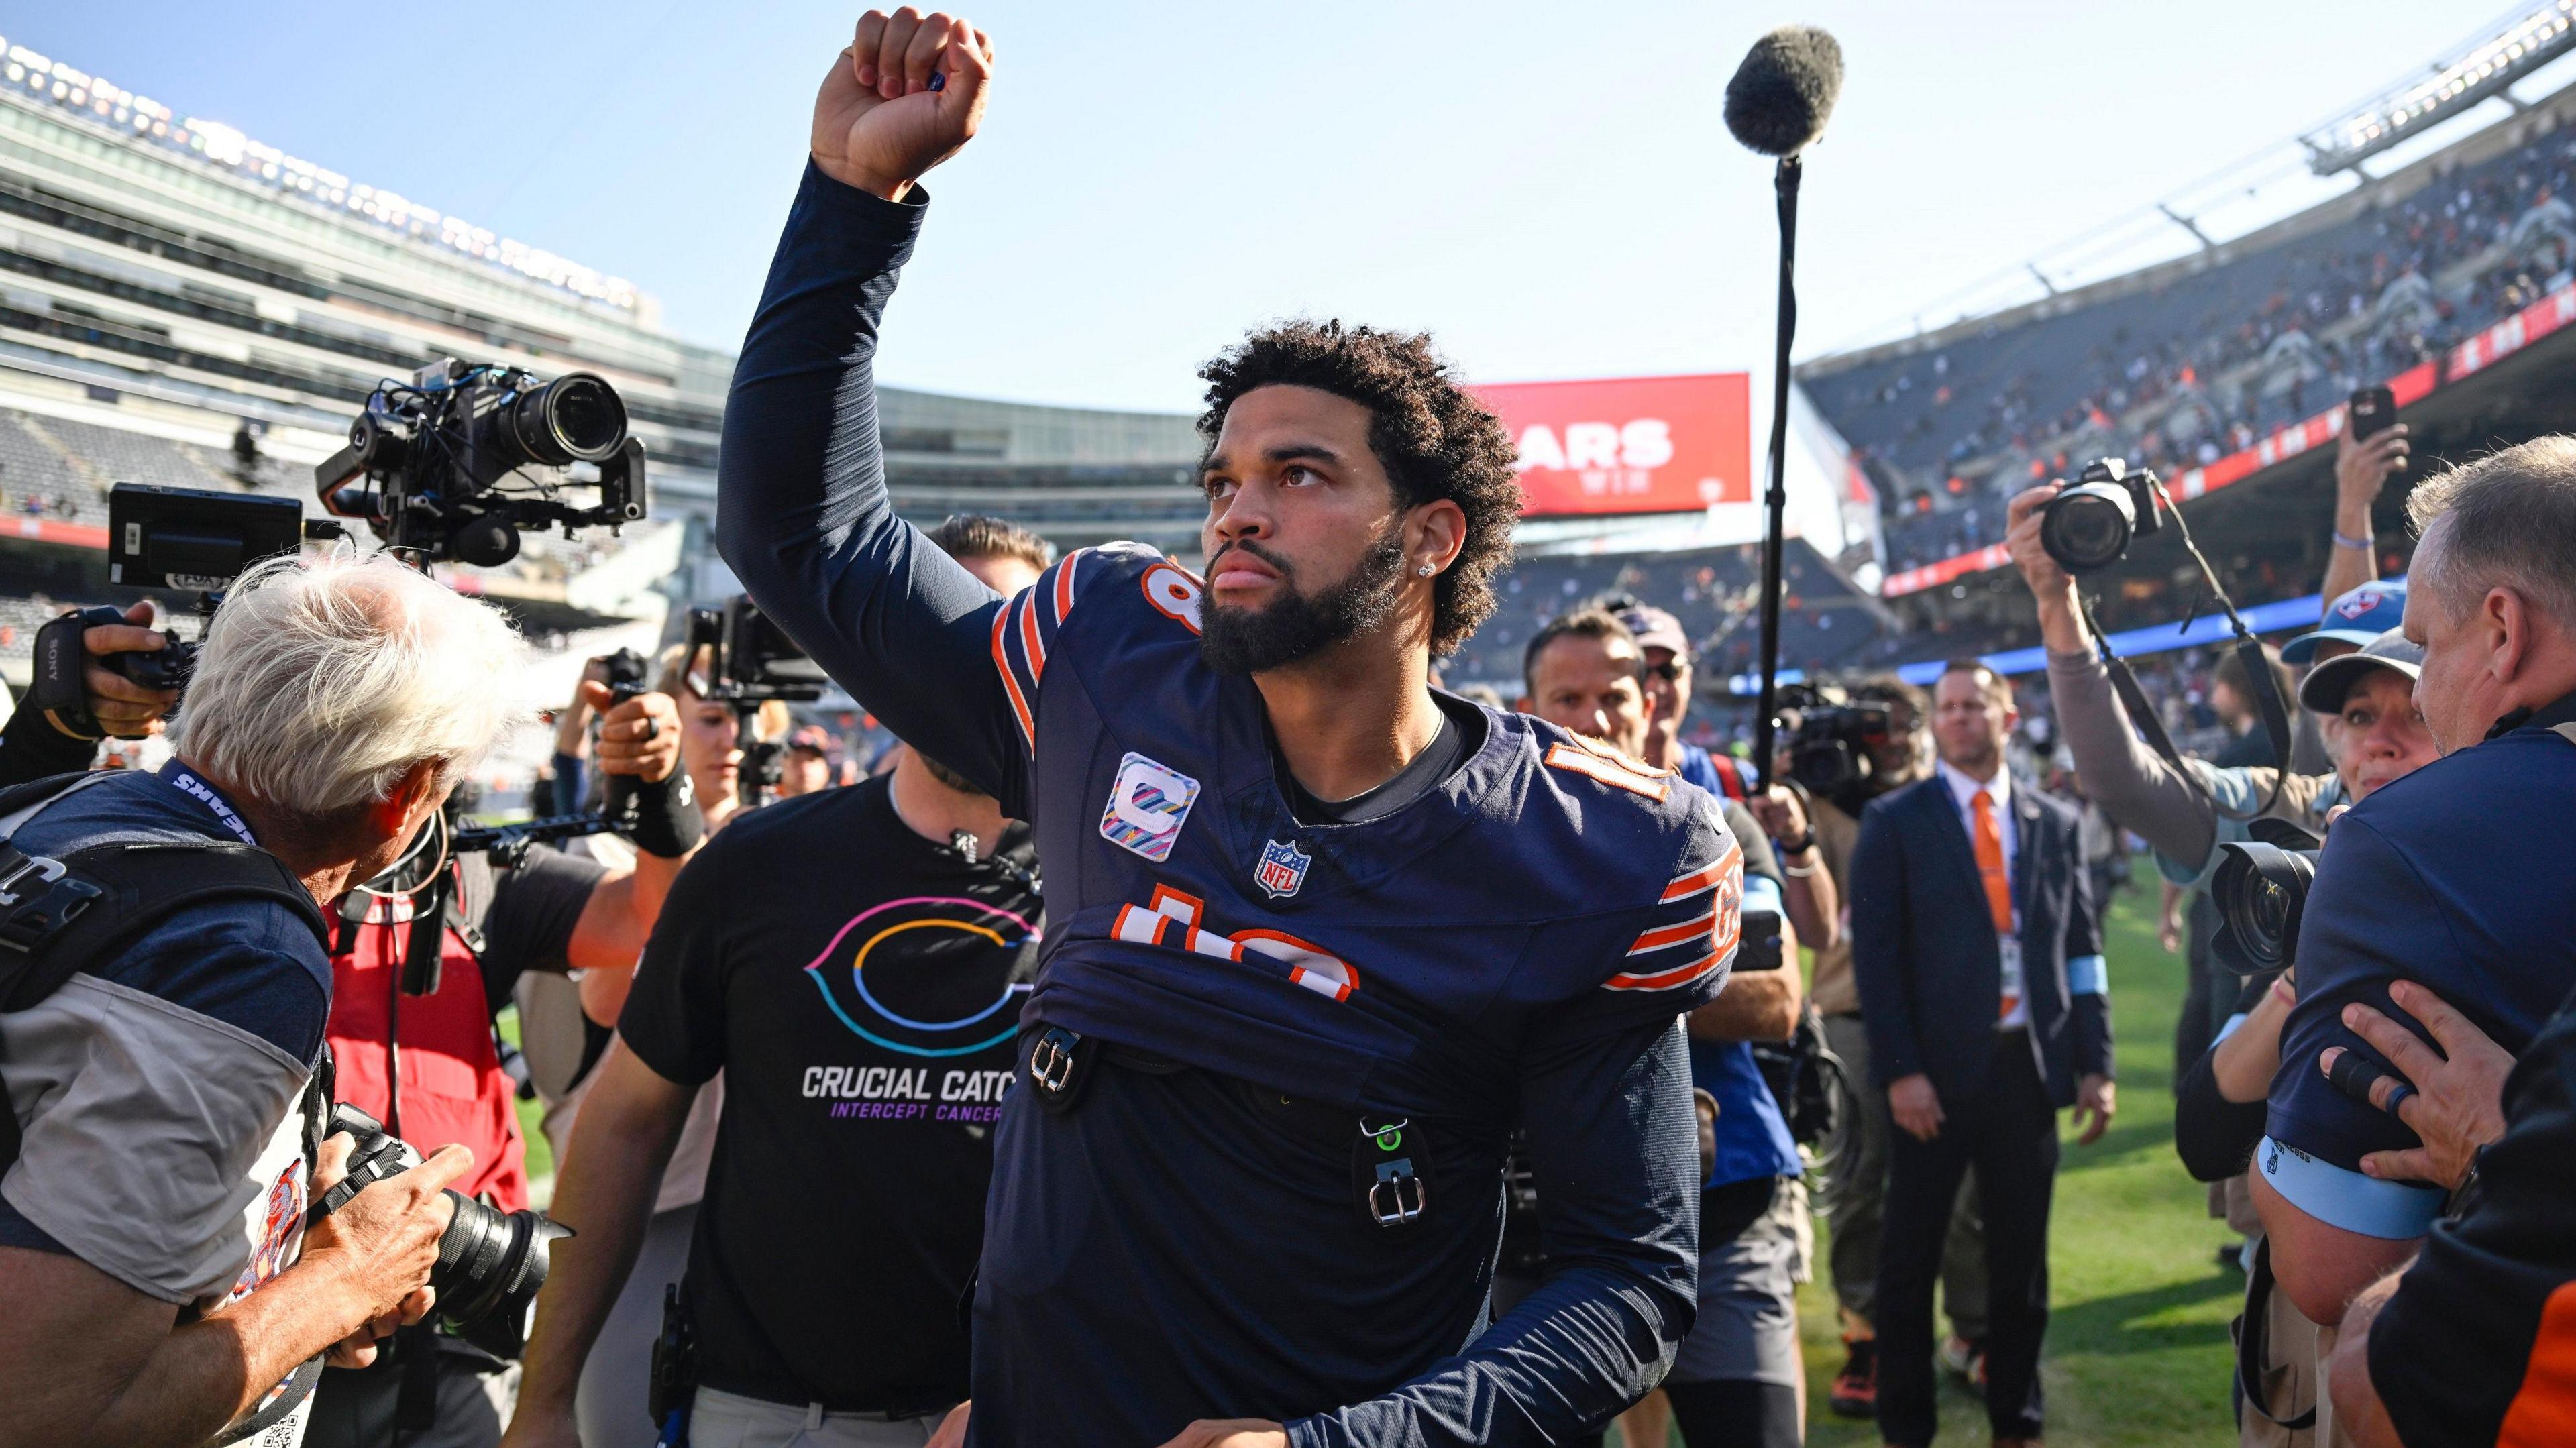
{"type": "Point", "coordinates": [1548, 189]}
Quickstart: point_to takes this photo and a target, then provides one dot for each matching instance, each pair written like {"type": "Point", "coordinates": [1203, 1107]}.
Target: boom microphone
{"type": "Point", "coordinates": [1784, 92]}
{"type": "Point", "coordinates": [1777, 104]}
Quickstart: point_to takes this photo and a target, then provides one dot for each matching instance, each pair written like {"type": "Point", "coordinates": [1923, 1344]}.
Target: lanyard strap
{"type": "Point", "coordinates": [188, 782]}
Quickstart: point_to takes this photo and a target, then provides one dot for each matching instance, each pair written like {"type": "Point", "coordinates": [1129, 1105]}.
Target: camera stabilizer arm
{"type": "Point", "coordinates": [507, 845]}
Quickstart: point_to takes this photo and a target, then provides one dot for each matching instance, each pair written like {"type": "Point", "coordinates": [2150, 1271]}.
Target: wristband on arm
{"type": "Point", "coordinates": [661, 819]}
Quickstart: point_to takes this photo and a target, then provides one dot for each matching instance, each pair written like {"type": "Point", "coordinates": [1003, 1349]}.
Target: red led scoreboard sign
{"type": "Point", "coordinates": [1631, 444]}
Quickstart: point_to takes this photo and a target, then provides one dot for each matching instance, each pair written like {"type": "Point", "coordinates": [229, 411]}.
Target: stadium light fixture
{"type": "Point", "coordinates": [2502, 53]}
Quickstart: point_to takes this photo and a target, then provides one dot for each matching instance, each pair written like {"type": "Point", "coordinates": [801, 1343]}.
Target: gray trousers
{"type": "Point", "coordinates": [1855, 1195]}
{"type": "Point", "coordinates": [616, 1382]}
{"type": "Point", "coordinates": [729, 1420]}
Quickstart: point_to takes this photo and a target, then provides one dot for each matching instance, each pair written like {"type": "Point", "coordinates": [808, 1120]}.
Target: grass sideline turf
{"type": "Point", "coordinates": [2138, 1350]}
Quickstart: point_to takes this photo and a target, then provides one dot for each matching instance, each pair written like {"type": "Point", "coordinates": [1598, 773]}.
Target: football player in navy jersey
{"type": "Point", "coordinates": [1318, 934]}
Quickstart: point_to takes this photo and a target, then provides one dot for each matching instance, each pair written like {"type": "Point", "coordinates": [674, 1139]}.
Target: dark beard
{"type": "Point", "coordinates": [1296, 627]}
{"type": "Point", "coordinates": [946, 775]}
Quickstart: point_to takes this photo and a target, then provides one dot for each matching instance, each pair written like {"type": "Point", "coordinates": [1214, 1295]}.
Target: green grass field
{"type": "Point", "coordinates": [2138, 1305]}
{"type": "Point", "coordinates": [2137, 1333]}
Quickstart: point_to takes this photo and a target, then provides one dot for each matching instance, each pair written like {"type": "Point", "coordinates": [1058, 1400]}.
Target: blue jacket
{"type": "Point", "coordinates": [1924, 951]}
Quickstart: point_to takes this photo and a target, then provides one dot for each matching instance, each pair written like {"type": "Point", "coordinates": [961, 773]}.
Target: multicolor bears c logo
{"type": "Point", "coordinates": [913, 951]}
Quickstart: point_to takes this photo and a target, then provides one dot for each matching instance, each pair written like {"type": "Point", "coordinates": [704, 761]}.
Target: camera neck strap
{"type": "Point", "coordinates": [2151, 726]}
{"type": "Point", "coordinates": [2263, 680]}
{"type": "Point", "coordinates": [2124, 682]}
{"type": "Point", "coordinates": [2275, 710]}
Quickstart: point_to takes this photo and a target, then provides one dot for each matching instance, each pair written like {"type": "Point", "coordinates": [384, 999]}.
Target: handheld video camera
{"type": "Point", "coordinates": [750, 661]}
{"type": "Point", "coordinates": [440, 467]}
{"type": "Point", "coordinates": [2088, 525]}
{"type": "Point", "coordinates": [1835, 741]}
{"type": "Point", "coordinates": [490, 1262]}
{"type": "Point", "coordinates": [157, 537]}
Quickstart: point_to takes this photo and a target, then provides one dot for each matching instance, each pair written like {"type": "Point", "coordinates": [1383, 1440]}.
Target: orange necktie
{"type": "Point", "coordinates": [1990, 866]}
{"type": "Point", "coordinates": [1990, 863]}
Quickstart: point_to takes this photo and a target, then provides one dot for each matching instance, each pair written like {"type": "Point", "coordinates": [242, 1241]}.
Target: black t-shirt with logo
{"type": "Point", "coordinates": [859, 986]}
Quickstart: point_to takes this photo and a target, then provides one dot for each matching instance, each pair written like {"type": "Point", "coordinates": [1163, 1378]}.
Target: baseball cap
{"type": "Point", "coordinates": [1656, 629]}
{"type": "Point", "coordinates": [812, 737]}
{"type": "Point", "coordinates": [2357, 617]}
{"type": "Point", "coordinates": [2329, 682]}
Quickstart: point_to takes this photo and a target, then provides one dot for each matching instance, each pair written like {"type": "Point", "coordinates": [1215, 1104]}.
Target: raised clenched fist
{"type": "Point", "coordinates": [905, 95]}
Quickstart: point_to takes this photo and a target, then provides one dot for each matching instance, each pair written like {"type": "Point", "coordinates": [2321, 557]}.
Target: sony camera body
{"type": "Point", "coordinates": [490, 1262]}
{"type": "Point", "coordinates": [2088, 525]}
{"type": "Point", "coordinates": [448, 466]}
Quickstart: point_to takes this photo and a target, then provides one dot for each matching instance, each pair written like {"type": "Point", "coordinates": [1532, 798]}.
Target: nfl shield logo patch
{"type": "Point", "coordinates": [1283, 868]}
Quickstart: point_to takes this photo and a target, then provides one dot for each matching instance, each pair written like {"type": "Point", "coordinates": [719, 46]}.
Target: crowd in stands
{"type": "Point", "coordinates": [2190, 370]}
{"type": "Point", "coordinates": [1715, 592]}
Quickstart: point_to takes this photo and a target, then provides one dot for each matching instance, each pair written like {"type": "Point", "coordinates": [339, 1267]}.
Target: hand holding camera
{"type": "Point", "coordinates": [2363, 467]}
{"type": "Point", "coordinates": [2023, 519]}
{"type": "Point", "coordinates": [123, 669]}
{"type": "Point", "coordinates": [2371, 450]}
{"type": "Point", "coordinates": [639, 737]}
{"type": "Point", "coordinates": [384, 1240]}
{"type": "Point", "coordinates": [483, 1266]}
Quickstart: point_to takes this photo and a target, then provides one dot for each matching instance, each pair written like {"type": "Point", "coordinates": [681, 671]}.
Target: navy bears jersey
{"type": "Point", "coordinates": [1515, 945]}
{"type": "Point", "coordinates": [1392, 964]}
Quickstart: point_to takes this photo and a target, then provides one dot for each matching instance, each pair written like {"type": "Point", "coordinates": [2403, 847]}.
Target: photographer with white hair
{"type": "Point", "coordinates": [413, 1043]}
{"type": "Point", "coordinates": [162, 1019]}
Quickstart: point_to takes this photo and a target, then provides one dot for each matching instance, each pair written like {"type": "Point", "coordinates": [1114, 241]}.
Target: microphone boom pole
{"type": "Point", "coordinates": [1777, 105]}
{"type": "Point", "coordinates": [1784, 180]}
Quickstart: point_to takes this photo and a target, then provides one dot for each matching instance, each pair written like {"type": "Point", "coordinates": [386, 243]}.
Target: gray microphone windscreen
{"type": "Point", "coordinates": [1780, 97]}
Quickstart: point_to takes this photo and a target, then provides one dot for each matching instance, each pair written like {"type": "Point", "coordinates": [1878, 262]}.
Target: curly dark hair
{"type": "Point", "coordinates": [1432, 436]}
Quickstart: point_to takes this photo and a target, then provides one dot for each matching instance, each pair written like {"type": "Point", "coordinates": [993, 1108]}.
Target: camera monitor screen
{"type": "Point", "coordinates": [161, 537]}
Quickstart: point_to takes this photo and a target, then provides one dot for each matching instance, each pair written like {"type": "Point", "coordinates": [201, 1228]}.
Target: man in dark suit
{"type": "Point", "coordinates": [1979, 961]}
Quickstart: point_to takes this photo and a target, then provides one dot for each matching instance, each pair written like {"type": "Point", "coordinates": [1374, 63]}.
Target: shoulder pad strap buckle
{"type": "Point", "coordinates": [33, 921]}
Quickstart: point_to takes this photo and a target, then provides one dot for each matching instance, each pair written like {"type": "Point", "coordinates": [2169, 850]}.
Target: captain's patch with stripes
{"type": "Point", "coordinates": [1147, 807]}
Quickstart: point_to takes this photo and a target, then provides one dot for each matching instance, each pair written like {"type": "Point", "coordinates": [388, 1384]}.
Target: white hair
{"type": "Point", "coordinates": [325, 679]}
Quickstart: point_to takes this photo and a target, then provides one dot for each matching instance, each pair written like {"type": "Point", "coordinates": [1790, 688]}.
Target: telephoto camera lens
{"type": "Point", "coordinates": [490, 1264]}
{"type": "Point", "coordinates": [2260, 891]}
{"type": "Point", "coordinates": [577, 417]}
